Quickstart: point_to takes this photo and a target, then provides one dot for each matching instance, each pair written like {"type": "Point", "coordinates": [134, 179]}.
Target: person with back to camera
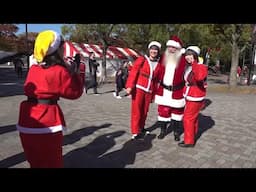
{"type": "Point", "coordinates": [194, 92]}
{"type": "Point", "coordinates": [81, 65]}
{"type": "Point", "coordinates": [18, 65]}
{"type": "Point", "coordinates": [41, 120]}
{"type": "Point", "coordinates": [93, 68]}
{"type": "Point", "coordinates": [120, 79]}
{"type": "Point", "coordinates": [141, 84]}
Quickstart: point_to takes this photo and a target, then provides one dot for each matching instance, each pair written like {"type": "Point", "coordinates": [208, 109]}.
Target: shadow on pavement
{"type": "Point", "coordinates": [69, 139]}
{"type": "Point", "coordinates": [207, 102]}
{"type": "Point", "coordinates": [153, 127]}
{"type": "Point", "coordinates": [127, 154]}
{"type": "Point", "coordinates": [7, 128]}
{"type": "Point", "coordinates": [13, 160]}
{"type": "Point", "coordinates": [205, 123]}
{"type": "Point", "coordinates": [80, 133]}
{"type": "Point", "coordinates": [88, 155]}
{"type": "Point", "coordinates": [92, 155]}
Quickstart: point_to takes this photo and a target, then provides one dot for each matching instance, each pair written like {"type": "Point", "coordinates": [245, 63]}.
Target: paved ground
{"type": "Point", "coordinates": [99, 133]}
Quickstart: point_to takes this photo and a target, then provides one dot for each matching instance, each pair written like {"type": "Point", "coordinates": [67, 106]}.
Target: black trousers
{"type": "Point", "coordinates": [93, 84]}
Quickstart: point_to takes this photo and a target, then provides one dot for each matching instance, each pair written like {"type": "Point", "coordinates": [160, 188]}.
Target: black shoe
{"type": "Point", "coordinates": [139, 136]}
{"type": "Point", "coordinates": [176, 136]}
{"type": "Point", "coordinates": [145, 131]}
{"type": "Point", "coordinates": [162, 133]}
{"type": "Point", "coordinates": [182, 144]}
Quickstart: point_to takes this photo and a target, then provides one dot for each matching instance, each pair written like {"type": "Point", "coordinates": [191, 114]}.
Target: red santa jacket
{"type": "Point", "coordinates": [50, 83]}
{"type": "Point", "coordinates": [195, 78]}
{"type": "Point", "coordinates": [143, 76]}
{"type": "Point", "coordinates": [172, 76]}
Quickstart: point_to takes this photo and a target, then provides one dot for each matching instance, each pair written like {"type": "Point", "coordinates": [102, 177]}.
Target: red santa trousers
{"type": "Point", "coordinates": [167, 113]}
{"type": "Point", "coordinates": [139, 109]}
{"type": "Point", "coordinates": [190, 120]}
{"type": "Point", "coordinates": [43, 150]}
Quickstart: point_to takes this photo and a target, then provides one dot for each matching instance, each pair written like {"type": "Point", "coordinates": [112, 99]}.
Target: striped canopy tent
{"type": "Point", "coordinates": [71, 48]}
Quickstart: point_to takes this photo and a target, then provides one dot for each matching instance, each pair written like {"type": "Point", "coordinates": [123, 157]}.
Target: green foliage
{"type": "Point", "coordinates": [220, 38]}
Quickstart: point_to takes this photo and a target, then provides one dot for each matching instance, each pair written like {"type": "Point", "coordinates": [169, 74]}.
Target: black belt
{"type": "Point", "coordinates": [173, 87]}
{"type": "Point", "coordinates": [43, 101]}
{"type": "Point", "coordinates": [168, 87]}
{"type": "Point", "coordinates": [198, 83]}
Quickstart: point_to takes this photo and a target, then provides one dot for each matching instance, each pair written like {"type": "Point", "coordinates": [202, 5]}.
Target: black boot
{"type": "Point", "coordinates": [163, 126]}
{"type": "Point", "coordinates": [177, 129]}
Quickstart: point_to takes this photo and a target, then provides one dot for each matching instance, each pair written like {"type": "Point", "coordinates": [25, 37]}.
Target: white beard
{"type": "Point", "coordinates": [171, 58]}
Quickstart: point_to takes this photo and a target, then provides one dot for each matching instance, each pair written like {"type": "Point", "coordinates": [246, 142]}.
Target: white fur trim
{"type": "Point", "coordinates": [55, 44]}
{"type": "Point", "coordinates": [182, 51]}
{"type": "Point", "coordinates": [190, 98]}
{"type": "Point", "coordinates": [165, 119]}
{"type": "Point", "coordinates": [168, 101]}
{"type": "Point", "coordinates": [195, 49]}
{"type": "Point", "coordinates": [52, 129]}
{"type": "Point", "coordinates": [177, 117]}
{"type": "Point", "coordinates": [142, 88]}
{"type": "Point", "coordinates": [32, 60]}
{"type": "Point", "coordinates": [173, 43]}
{"type": "Point", "coordinates": [154, 43]}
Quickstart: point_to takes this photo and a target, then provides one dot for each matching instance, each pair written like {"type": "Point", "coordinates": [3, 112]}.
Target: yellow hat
{"type": "Point", "coordinates": [45, 44]}
{"type": "Point", "coordinates": [200, 60]}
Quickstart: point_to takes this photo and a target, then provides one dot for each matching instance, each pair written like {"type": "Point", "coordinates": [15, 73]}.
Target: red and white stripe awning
{"type": "Point", "coordinates": [71, 48]}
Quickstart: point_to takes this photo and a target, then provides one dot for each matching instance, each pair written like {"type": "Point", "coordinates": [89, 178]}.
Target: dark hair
{"type": "Point", "coordinates": [56, 58]}
{"type": "Point", "coordinates": [191, 52]}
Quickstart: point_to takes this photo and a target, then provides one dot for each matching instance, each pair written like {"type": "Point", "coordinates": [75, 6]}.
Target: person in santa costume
{"type": "Point", "coordinates": [141, 84]}
{"type": "Point", "coordinates": [194, 92]}
{"type": "Point", "coordinates": [41, 120]}
{"type": "Point", "coordinates": [169, 96]}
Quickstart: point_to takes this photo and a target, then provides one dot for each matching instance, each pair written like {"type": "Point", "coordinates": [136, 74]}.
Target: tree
{"type": "Point", "coordinates": [238, 36]}
{"type": "Point", "coordinates": [21, 45]}
{"type": "Point", "coordinates": [8, 37]}
{"type": "Point", "coordinates": [103, 34]}
{"type": "Point", "coordinates": [138, 36]}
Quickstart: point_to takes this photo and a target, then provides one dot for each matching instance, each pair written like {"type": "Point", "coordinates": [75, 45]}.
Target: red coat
{"type": "Point", "coordinates": [143, 76]}
{"type": "Point", "coordinates": [195, 76]}
{"type": "Point", "coordinates": [173, 75]}
{"type": "Point", "coordinates": [51, 83]}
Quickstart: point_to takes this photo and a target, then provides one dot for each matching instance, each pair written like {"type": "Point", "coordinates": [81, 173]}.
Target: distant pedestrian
{"type": "Point", "coordinates": [18, 66]}
{"type": "Point", "coordinates": [120, 79]}
{"type": "Point", "coordinates": [93, 68]}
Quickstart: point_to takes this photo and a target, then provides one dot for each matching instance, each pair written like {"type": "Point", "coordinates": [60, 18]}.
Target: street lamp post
{"type": "Point", "coordinates": [27, 46]}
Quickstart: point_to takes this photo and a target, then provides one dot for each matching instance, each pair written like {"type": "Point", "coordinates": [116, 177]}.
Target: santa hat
{"type": "Point", "coordinates": [175, 42]}
{"type": "Point", "coordinates": [46, 43]}
{"type": "Point", "coordinates": [195, 49]}
{"type": "Point", "coordinates": [154, 43]}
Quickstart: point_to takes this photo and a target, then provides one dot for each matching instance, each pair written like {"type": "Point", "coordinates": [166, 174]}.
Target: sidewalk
{"type": "Point", "coordinates": [99, 132]}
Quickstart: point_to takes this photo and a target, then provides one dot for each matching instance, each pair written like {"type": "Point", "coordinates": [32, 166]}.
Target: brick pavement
{"type": "Point", "coordinates": [99, 135]}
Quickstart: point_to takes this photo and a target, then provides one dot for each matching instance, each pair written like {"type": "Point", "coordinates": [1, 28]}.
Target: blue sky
{"type": "Point", "coordinates": [39, 27]}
